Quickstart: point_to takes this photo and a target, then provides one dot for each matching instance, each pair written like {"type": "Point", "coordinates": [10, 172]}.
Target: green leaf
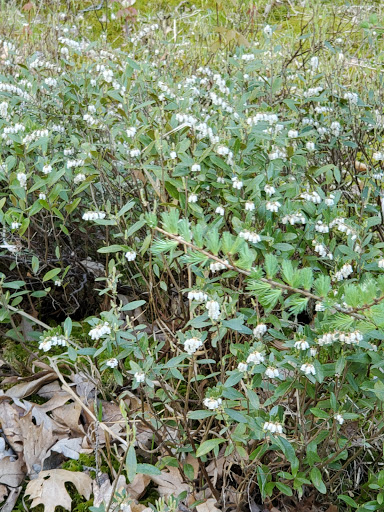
{"type": "Point", "coordinates": [147, 469]}
{"type": "Point", "coordinates": [200, 415]}
{"type": "Point", "coordinates": [189, 471]}
{"type": "Point", "coordinates": [51, 274]}
{"type": "Point", "coordinates": [132, 305]}
{"type": "Point", "coordinates": [317, 480]}
{"type": "Point", "coordinates": [236, 415]}
{"type": "Point", "coordinates": [285, 489]}
{"type": "Point", "coordinates": [110, 248]}
{"type": "Point", "coordinates": [237, 324]}
{"type": "Point", "coordinates": [319, 413]}
{"type": "Point", "coordinates": [348, 500]}
{"type": "Point", "coordinates": [131, 464]}
{"type": "Point", "coordinates": [207, 446]}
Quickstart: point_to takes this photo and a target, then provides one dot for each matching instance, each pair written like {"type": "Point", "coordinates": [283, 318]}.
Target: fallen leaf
{"type": "Point", "coordinates": [70, 448]}
{"type": "Point", "coordinates": [208, 506]}
{"type": "Point", "coordinates": [29, 387]}
{"type": "Point", "coordinates": [37, 442]}
{"type": "Point", "coordinates": [139, 485]}
{"type": "Point", "coordinates": [10, 425]}
{"type": "Point", "coordinates": [12, 472]}
{"type": "Point", "coordinates": [48, 488]}
{"type": "Point", "coordinates": [69, 415]}
{"type": "Point", "coordinates": [3, 492]}
{"type": "Point", "coordinates": [170, 482]}
{"type": "Point", "coordinates": [41, 417]}
{"type": "Point", "coordinates": [103, 493]}
{"type": "Point", "coordinates": [9, 505]}
{"type": "Point", "coordinates": [51, 389]}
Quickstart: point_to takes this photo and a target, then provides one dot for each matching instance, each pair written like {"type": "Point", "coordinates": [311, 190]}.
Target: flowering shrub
{"type": "Point", "coordinates": [239, 207]}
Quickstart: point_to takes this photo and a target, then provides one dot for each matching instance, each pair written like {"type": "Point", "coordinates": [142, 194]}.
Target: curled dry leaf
{"type": "Point", "coordinates": [137, 488]}
{"type": "Point", "coordinates": [103, 493]}
{"type": "Point", "coordinates": [37, 442]}
{"type": "Point", "coordinates": [29, 387]}
{"type": "Point", "coordinates": [170, 482]}
{"type": "Point", "coordinates": [10, 425]}
{"type": "Point", "coordinates": [70, 448]}
{"type": "Point", "coordinates": [69, 415]}
{"type": "Point", "coordinates": [9, 505]}
{"type": "Point", "coordinates": [12, 472]}
{"type": "Point", "coordinates": [3, 492]}
{"type": "Point", "coordinates": [49, 488]}
{"type": "Point", "coordinates": [208, 506]}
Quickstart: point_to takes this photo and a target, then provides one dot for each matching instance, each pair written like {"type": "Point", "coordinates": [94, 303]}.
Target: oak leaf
{"type": "Point", "coordinates": [48, 488]}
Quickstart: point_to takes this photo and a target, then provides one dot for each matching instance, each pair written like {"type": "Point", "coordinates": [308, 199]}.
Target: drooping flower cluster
{"type": "Point", "coordinates": [273, 427]}
{"type": "Point", "coordinates": [212, 403]}
{"type": "Point", "coordinates": [52, 341]}
{"type": "Point", "coordinates": [100, 330]}
{"type": "Point", "coordinates": [192, 344]}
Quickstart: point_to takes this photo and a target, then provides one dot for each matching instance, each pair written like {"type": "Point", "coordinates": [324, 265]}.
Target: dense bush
{"type": "Point", "coordinates": [231, 213]}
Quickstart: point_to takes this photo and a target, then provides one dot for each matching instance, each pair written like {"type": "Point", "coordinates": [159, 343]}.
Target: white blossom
{"type": "Point", "coordinates": [269, 190]}
{"type": "Point", "coordinates": [196, 168]}
{"type": "Point", "coordinates": [302, 345]}
{"type": "Point", "coordinates": [255, 357]}
{"type": "Point", "coordinates": [249, 206]}
{"type": "Point", "coordinates": [93, 215]}
{"type": "Point", "coordinates": [47, 169]}
{"type": "Point", "coordinates": [131, 132]}
{"type": "Point", "coordinates": [236, 183]}
{"type": "Point", "coordinates": [310, 146]}
{"type": "Point", "coordinates": [308, 369]}
{"type": "Point", "coordinates": [220, 210]}
{"type": "Point", "coordinates": [242, 367]}
{"type": "Point", "coordinates": [192, 344]}
{"type": "Point", "coordinates": [273, 427]}
{"type": "Point", "coordinates": [213, 308]}
{"type": "Point", "coordinates": [22, 178]}
{"type": "Point", "coordinates": [140, 377]}
{"type": "Point", "coordinates": [268, 31]}
{"type": "Point", "coordinates": [79, 178]}
{"type": "Point", "coordinates": [260, 330]}
{"type": "Point", "coordinates": [100, 330]}
{"type": "Point", "coordinates": [192, 198]}
{"type": "Point", "coordinates": [217, 266]}
{"type": "Point", "coordinates": [271, 372]}
{"type": "Point", "coordinates": [112, 363]}
{"type": "Point", "coordinates": [130, 255]}
{"type": "Point", "coordinates": [197, 295]}
{"type": "Point", "coordinates": [345, 271]}
{"type": "Point", "coordinates": [339, 418]}
{"type": "Point", "coordinates": [212, 403]}
{"type": "Point", "coordinates": [273, 206]}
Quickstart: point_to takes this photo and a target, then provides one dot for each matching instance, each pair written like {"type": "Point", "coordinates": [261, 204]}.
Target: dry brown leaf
{"type": "Point", "coordinates": [85, 389]}
{"type": "Point", "coordinates": [51, 389]}
{"type": "Point", "coordinates": [37, 442]}
{"type": "Point", "coordinates": [170, 482]}
{"type": "Point", "coordinates": [29, 387]}
{"type": "Point", "coordinates": [9, 419]}
{"type": "Point", "coordinates": [103, 493]}
{"type": "Point", "coordinates": [11, 500]}
{"type": "Point", "coordinates": [12, 473]}
{"type": "Point", "coordinates": [48, 488]}
{"type": "Point", "coordinates": [3, 492]}
{"type": "Point", "coordinates": [208, 506]}
{"type": "Point", "coordinates": [69, 415]}
{"type": "Point", "coordinates": [137, 488]}
{"type": "Point", "coordinates": [41, 417]}
{"type": "Point", "coordinates": [70, 448]}
{"type": "Point", "coordinates": [215, 469]}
